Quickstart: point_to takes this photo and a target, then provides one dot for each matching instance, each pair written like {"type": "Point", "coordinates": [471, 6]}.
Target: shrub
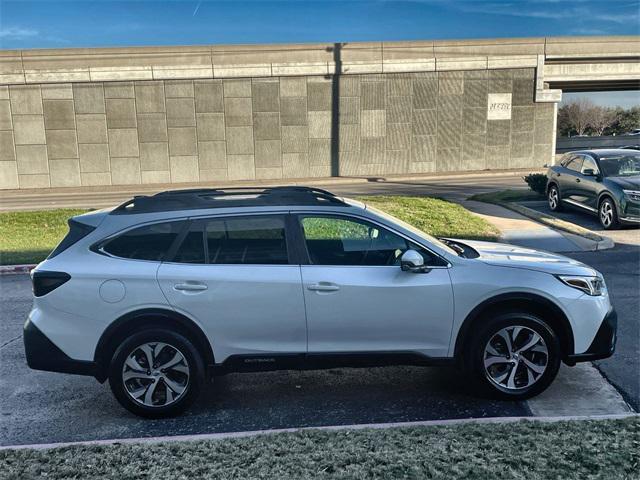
{"type": "Point", "coordinates": [537, 182]}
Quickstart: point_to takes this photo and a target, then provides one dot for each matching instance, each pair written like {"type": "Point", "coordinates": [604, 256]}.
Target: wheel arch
{"type": "Point", "coordinates": [530, 302]}
{"type": "Point", "coordinates": [140, 319]}
{"type": "Point", "coordinates": [606, 194]}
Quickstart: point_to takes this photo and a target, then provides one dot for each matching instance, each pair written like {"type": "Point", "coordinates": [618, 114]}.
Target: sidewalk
{"type": "Point", "coordinates": [520, 230]}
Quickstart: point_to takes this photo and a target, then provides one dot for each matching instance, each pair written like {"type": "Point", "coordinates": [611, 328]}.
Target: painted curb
{"type": "Point", "coordinates": [372, 426]}
{"type": "Point", "coordinates": [16, 269]}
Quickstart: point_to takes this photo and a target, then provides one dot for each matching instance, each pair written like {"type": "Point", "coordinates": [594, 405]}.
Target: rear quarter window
{"type": "Point", "coordinates": [149, 242]}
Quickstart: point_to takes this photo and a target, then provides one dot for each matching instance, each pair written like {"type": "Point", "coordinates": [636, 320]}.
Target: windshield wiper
{"type": "Point", "coordinates": [453, 246]}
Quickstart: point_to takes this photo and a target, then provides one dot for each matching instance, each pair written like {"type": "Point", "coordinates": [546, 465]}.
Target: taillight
{"type": "Point", "coordinates": [45, 282]}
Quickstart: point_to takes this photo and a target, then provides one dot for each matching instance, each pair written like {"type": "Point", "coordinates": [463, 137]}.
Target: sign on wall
{"type": "Point", "coordinates": [499, 106]}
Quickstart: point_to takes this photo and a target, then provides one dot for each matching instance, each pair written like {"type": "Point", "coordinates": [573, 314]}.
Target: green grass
{"type": "Point", "coordinates": [435, 216]}
{"type": "Point", "coordinates": [525, 450]}
{"type": "Point", "coordinates": [28, 237]}
{"type": "Point", "coordinates": [508, 196]}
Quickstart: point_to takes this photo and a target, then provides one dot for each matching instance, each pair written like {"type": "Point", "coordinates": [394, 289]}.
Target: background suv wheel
{"type": "Point", "coordinates": [156, 373]}
{"type": "Point", "coordinates": [515, 355]}
{"type": "Point", "coordinates": [553, 197]}
{"type": "Point", "coordinates": [608, 214]}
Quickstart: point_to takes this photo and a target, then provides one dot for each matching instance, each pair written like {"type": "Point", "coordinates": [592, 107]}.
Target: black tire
{"type": "Point", "coordinates": [553, 198]}
{"type": "Point", "coordinates": [608, 214]}
{"type": "Point", "coordinates": [195, 377]}
{"type": "Point", "coordinates": [488, 330]}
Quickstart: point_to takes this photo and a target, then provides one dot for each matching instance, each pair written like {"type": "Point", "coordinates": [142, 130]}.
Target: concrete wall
{"type": "Point", "coordinates": [122, 133]}
{"type": "Point", "coordinates": [121, 116]}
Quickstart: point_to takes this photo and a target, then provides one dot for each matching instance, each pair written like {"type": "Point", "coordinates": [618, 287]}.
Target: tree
{"type": "Point", "coordinates": [601, 118]}
{"type": "Point", "coordinates": [579, 114]}
{"type": "Point", "coordinates": [626, 121]}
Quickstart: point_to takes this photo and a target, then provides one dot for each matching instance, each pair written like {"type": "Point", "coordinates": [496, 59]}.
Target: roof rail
{"type": "Point", "coordinates": [228, 197]}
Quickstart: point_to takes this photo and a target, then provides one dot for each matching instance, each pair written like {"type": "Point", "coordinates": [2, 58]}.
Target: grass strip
{"type": "Point", "coordinates": [528, 450]}
{"type": "Point", "coordinates": [520, 195]}
{"type": "Point", "coordinates": [28, 237]}
{"type": "Point", "coordinates": [435, 216]}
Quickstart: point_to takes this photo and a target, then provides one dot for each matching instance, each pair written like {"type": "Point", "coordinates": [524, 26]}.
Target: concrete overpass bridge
{"type": "Point", "coordinates": [121, 116]}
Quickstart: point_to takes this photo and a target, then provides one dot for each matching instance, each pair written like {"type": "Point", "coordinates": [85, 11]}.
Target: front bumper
{"type": "Point", "coordinates": [43, 354]}
{"type": "Point", "coordinates": [603, 344]}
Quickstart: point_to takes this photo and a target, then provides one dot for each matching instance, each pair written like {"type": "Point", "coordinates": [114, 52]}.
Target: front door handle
{"type": "Point", "coordinates": [190, 287]}
{"type": "Point", "coordinates": [323, 287]}
{"type": "Point", "coordinates": [577, 180]}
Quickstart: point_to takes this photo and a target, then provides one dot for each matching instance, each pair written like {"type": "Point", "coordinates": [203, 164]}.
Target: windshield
{"type": "Point", "coordinates": [625, 165]}
{"type": "Point", "coordinates": [412, 229]}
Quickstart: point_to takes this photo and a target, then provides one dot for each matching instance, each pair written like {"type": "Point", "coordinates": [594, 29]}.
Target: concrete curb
{"type": "Point", "coordinates": [16, 269]}
{"type": "Point", "coordinates": [373, 426]}
{"type": "Point", "coordinates": [601, 242]}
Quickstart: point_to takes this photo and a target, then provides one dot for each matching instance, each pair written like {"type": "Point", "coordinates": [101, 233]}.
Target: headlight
{"type": "Point", "coordinates": [593, 286]}
{"type": "Point", "coordinates": [633, 195]}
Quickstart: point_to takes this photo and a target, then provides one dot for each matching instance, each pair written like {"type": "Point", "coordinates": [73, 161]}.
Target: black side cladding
{"type": "Point", "coordinates": [77, 231]}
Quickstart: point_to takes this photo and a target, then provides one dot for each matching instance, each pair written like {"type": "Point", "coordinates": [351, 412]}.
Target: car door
{"type": "Point", "coordinates": [587, 185]}
{"type": "Point", "coordinates": [233, 275]}
{"type": "Point", "coordinates": [568, 183]}
{"type": "Point", "coordinates": [359, 300]}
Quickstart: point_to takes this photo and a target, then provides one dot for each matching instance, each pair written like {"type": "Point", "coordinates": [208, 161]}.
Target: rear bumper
{"type": "Point", "coordinates": [43, 354]}
{"type": "Point", "coordinates": [603, 344]}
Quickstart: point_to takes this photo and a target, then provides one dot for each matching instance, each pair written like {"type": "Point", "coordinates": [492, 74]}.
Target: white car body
{"type": "Point", "coordinates": [256, 313]}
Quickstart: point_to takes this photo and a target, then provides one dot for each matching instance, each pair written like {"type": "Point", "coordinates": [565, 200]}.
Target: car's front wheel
{"type": "Point", "coordinates": [608, 214]}
{"type": "Point", "coordinates": [156, 373]}
{"type": "Point", "coordinates": [515, 355]}
{"type": "Point", "coordinates": [553, 197]}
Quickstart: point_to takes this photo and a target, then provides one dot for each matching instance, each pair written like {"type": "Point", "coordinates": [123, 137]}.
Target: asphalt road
{"type": "Point", "coordinates": [99, 197]}
{"type": "Point", "coordinates": [41, 407]}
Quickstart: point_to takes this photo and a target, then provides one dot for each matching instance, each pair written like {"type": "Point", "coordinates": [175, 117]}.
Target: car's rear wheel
{"type": "Point", "coordinates": [156, 373]}
{"type": "Point", "coordinates": [553, 197]}
{"type": "Point", "coordinates": [515, 355]}
{"type": "Point", "coordinates": [608, 214]}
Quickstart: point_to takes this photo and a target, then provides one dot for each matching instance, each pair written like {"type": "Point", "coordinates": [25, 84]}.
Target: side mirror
{"type": "Point", "coordinates": [589, 172]}
{"type": "Point", "coordinates": [412, 261]}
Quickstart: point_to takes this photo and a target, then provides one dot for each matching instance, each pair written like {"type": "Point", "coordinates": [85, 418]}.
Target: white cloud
{"type": "Point", "coordinates": [17, 33]}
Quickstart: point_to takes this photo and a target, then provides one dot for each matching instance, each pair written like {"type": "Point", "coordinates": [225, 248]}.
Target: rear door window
{"type": "Point", "coordinates": [254, 240]}
{"type": "Point", "coordinates": [149, 242]}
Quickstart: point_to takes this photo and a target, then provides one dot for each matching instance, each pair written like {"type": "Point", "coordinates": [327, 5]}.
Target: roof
{"type": "Point", "coordinates": [173, 200]}
{"type": "Point", "coordinates": [604, 151]}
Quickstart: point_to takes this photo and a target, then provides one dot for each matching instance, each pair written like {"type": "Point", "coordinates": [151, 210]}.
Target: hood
{"type": "Point", "coordinates": [626, 183]}
{"type": "Point", "coordinates": [505, 255]}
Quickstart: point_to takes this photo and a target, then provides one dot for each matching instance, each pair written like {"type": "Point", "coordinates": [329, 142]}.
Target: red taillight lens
{"type": "Point", "coordinates": [45, 282]}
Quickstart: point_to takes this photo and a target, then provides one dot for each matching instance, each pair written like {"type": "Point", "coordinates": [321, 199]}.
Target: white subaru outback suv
{"type": "Point", "coordinates": [164, 292]}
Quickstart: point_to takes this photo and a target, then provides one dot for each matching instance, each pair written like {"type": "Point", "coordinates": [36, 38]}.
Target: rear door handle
{"type": "Point", "coordinates": [577, 180]}
{"type": "Point", "coordinates": [323, 287]}
{"type": "Point", "coordinates": [190, 287]}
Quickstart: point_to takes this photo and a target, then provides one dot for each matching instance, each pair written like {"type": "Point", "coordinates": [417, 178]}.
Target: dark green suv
{"type": "Point", "coordinates": [603, 182]}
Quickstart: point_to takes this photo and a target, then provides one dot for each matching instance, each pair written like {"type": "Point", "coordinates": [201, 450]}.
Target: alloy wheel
{"type": "Point", "coordinates": [606, 214]}
{"type": "Point", "coordinates": [553, 198]}
{"type": "Point", "coordinates": [515, 358]}
{"type": "Point", "coordinates": [156, 374]}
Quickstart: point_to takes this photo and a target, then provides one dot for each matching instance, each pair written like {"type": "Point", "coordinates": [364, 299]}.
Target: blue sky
{"type": "Point", "coordinates": [50, 24]}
